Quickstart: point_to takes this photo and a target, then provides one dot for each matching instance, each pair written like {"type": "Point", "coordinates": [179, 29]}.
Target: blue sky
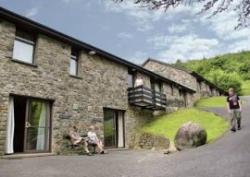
{"type": "Point", "coordinates": [136, 33]}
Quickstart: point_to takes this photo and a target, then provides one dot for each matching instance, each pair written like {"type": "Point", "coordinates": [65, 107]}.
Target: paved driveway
{"type": "Point", "coordinates": [227, 157]}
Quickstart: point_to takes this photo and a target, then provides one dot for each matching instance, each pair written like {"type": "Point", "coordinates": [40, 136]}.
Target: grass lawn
{"type": "Point", "coordinates": [168, 124]}
{"type": "Point", "coordinates": [245, 87]}
{"type": "Point", "coordinates": [211, 102]}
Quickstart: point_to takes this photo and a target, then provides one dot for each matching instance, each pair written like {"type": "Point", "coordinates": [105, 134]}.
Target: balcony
{"type": "Point", "coordinates": [146, 98]}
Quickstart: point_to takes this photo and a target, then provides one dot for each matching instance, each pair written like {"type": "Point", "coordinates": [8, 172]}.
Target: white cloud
{"type": "Point", "coordinates": [158, 41]}
{"type": "Point", "coordinates": [67, 1]}
{"type": "Point", "coordinates": [138, 57]}
{"type": "Point", "coordinates": [240, 45]}
{"type": "Point", "coordinates": [223, 24]}
{"type": "Point", "coordinates": [177, 28]}
{"type": "Point", "coordinates": [143, 17]}
{"type": "Point", "coordinates": [32, 12]}
{"type": "Point", "coordinates": [124, 35]}
{"type": "Point", "coordinates": [209, 37]}
{"type": "Point", "coordinates": [231, 39]}
{"type": "Point", "coordinates": [184, 47]}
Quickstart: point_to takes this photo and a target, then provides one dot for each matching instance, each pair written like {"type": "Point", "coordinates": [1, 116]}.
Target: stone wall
{"type": "Point", "coordinates": [135, 118]}
{"type": "Point", "coordinates": [152, 142]}
{"type": "Point", "coordinates": [174, 99]}
{"type": "Point", "coordinates": [205, 91]}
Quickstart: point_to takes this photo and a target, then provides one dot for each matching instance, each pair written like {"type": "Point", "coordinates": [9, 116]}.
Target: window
{"type": "Point", "coordinates": [24, 45]}
{"type": "Point", "coordinates": [156, 85]}
{"type": "Point", "coordinates": [199, 86]}
{"type": "Point", "coordinates": [172, 90]}
{"type": "Point", "coordinates": [180, 93]}
{"type": "Point", "coordinates": [73, 68]}
{"type": "Point", "coordinates": [131, 79]}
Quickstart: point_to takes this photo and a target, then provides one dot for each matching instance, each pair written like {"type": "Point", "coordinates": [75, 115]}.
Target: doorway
{"type": "Point", "coordinates": [114, 133]}
{"type": "Point", "coordinates": [30, 125]}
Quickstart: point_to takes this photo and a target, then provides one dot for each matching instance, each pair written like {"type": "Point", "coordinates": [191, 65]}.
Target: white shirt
{"type": "Point", "coordinates": [138, 82]}
{"type": "Point", "coordinates": [92, 136]}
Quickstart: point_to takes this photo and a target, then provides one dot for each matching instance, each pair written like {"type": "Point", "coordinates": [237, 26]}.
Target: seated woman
{"type": "Point", "coordinates": [94, 140]}
{"type": "Point", "coordinates": [76, 139]}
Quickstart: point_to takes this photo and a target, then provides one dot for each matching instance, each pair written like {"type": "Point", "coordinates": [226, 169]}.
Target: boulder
{"type": "Point", "coordinates": [190, 135]}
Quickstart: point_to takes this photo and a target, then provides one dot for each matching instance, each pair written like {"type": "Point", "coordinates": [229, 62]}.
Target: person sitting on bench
{"type": "Point", "coordinates": [94, 140]}
{"type": "Point", "coordinates": [76, 139]}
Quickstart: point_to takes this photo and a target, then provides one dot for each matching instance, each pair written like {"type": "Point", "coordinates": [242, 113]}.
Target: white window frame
{"type": "Point", "coordinates": [25, 41]}
{"type": "Point", "coordinates": [76, 59]}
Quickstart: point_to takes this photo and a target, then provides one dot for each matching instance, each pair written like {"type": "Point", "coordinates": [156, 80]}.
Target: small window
{"type": "Point", "coordinates": [24, 45]}
{"type": "Point", "coordinates": [73, 68]}
{"type": "Point", "coordinates": [131, 79]}
{"type": "Point", "coordinates": [158, 86]}
{"type": "Point", "coordinates": [199, 86]}
{"type": "Point", "coordinates": [180, 93]}
{"type": "Point", "coordinates": [172, 90]}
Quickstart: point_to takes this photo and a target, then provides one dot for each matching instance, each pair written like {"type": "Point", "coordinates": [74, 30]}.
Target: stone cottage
{"type": "Point", "coordinates": [51, 82]}
{"type": "Point", "coordinates": [190, 79]}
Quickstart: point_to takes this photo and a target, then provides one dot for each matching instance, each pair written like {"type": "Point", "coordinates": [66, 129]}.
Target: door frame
{"type": "Point", "coordinates": [116, 113]}
{"type": "Point", "coordinates": [50, 102]}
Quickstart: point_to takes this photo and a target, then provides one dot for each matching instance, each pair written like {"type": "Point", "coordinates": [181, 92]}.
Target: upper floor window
{"type": "Point", "coordinates": [73, 67]}
{"type": "Point", "coordinates": [156, 86]}
{"type": "Point", "coordinates": [180, 93]}
{"type": "Point", "coordinates": [131, 79]}
{"type": "Point", "coordinates": [199, 86]}
{"type": "Point", "coordinates": [24, 46]}
{"type": "Point", "coordinates": [172, 89]}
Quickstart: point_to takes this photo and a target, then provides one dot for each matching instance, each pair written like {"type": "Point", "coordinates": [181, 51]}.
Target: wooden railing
{"type": "Point", "coordinates": [146, 98]}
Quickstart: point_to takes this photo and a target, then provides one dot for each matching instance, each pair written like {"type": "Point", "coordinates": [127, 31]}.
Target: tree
{"type": "Point", "coordinates": [242, 7]}
{"type": "Point", "coordinates": [225, 80]}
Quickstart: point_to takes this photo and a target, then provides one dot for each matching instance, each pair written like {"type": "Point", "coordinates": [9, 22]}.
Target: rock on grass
{"type": "Point", "coordinates": [190, 135]}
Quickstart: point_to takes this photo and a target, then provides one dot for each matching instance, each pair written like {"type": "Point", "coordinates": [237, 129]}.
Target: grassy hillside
{"type": "Point", "coordinates": [169, 124]}
{"type": "Point", "coordinates": [225, 70]}
{"type": "Point", "coordinates": [212, 102]}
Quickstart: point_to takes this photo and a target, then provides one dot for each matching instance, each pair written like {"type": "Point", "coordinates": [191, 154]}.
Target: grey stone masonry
{"type": "Point", "coordinates": [100, 84]}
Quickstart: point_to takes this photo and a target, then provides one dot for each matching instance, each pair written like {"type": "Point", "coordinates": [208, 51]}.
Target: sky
{"type": "Point", "coordinates": [135, 33]}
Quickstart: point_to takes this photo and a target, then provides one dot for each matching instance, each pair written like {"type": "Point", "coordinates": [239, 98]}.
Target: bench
{"type": "Point", "coordinates": [91, 147]}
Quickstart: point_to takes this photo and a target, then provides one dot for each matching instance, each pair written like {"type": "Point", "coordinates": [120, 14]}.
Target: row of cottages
{"type": "Point", "coordinates": [51, 82]}
{"type": "Point", "coordinates": [190, 79]}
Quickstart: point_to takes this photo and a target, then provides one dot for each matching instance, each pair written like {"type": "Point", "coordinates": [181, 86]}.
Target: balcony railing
{"type": "Point", "coordinates": [146, 98]}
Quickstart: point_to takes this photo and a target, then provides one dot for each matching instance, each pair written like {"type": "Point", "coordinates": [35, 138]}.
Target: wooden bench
{"type": "Point", "coordinates": [91, 147]}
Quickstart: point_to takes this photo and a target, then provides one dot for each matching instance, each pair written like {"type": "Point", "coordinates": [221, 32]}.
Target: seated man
{"type": "Point", "coordinates": [76, 139]}
{"type": "Point", "coordinates": [94, 140]}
